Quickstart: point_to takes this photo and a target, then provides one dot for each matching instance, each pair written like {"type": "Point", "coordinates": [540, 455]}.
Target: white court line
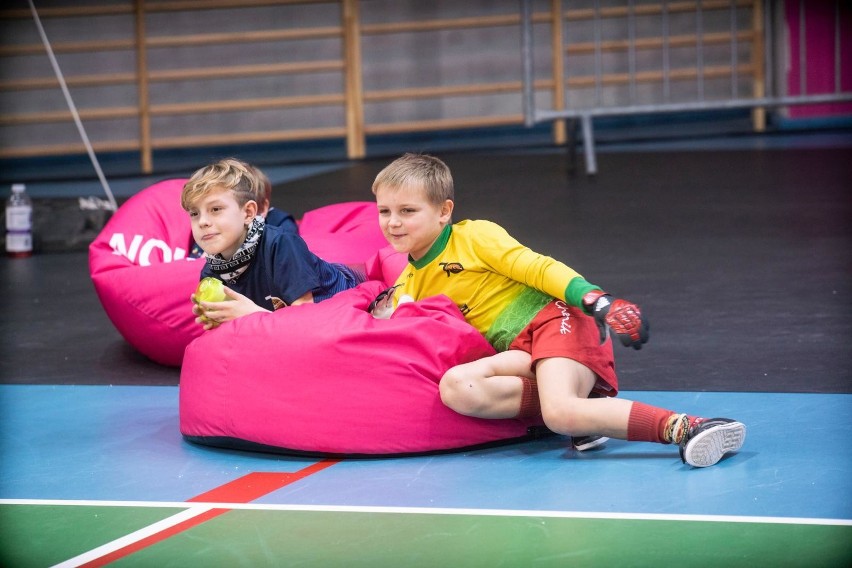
{"type": "Point", "coordinates": [134, 537]}
{"type": "Point", "coordinates": [437, 511]}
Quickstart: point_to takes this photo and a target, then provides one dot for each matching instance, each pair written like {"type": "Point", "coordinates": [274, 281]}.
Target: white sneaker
{"type": "Point", "coordinates": [583, 443]}
{"type": "Point", "coordinates": [708, 440]}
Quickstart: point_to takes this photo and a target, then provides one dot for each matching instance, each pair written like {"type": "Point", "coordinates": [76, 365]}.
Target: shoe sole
{"type": "Point", "coordinates": [708, 447]}
{"type": "Point", "coordinates": [595, 443]}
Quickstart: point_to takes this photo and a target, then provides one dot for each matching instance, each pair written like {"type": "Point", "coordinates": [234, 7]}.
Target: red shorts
{"type": "Point", "coordinates": [560, 330]}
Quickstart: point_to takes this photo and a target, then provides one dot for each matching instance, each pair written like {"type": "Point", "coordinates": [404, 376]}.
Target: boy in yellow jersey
{"type": "Point", "coordinates": [547, 323]}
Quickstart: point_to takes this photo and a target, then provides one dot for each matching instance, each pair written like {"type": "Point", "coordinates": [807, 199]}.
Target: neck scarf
{"type": "Point", "coordinates": [230, 270]}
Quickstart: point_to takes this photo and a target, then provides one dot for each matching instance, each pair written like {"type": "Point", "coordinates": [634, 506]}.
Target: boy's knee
{"type": "Point", "coordinates": [562, 419]}
{"type": "Point", "coordinates": [448, 387]}
{"type": "Point", "coordinates": [454, 395]}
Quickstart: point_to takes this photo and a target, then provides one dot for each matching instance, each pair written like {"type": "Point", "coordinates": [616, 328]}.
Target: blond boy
{"type": "Point", "coordinates": [262, 266]}
{"type": "Point", "coordinates": [548, 324]}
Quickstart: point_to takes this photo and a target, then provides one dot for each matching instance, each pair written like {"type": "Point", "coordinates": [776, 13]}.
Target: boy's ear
{"type": "Point", "coordinates": [447, 210]}
{"type": "Point", "coordinates": [250, 209]}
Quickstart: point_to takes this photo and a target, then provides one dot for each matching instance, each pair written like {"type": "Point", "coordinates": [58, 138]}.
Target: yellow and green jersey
{"type": "Point", "coordinates": [497, 283]}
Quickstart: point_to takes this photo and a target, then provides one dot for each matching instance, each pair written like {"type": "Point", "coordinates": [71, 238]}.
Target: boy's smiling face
{"type": "Point", "coordinates": [219, 223]}
{"type": "Point", "coordinates": [409, 221]}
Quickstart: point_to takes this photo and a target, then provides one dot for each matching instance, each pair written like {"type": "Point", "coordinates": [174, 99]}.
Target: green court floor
{"type": "Point", "coordinates": [45, 535]}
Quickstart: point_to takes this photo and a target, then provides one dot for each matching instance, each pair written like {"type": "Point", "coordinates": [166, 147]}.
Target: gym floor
{"type": "Point", "coordinates": [739, 252]}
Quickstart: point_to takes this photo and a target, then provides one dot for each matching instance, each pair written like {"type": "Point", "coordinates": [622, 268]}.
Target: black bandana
{"type": "Point", "coordinates": [230, 270]}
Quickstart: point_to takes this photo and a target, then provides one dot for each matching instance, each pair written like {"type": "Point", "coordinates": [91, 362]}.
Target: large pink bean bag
{"type": "Point", "coordinates": [329, 379]}
{"type": "Point", "coordinates": [140, 272]}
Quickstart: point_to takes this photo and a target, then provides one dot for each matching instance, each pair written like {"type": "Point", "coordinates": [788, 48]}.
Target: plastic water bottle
{"type": "Point", "coordinates": [19, 222]}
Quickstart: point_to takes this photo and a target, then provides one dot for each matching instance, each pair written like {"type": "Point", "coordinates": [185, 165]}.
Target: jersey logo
{"type": "Point", "coordinates": [451, 267]}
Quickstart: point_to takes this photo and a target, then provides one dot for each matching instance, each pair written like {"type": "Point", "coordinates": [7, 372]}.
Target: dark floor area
{"type": "Point", "coordinates": [741, 259]}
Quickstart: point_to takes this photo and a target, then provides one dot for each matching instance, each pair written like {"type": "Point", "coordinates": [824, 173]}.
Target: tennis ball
{"type": "Point", "coordinates": [210, 290]}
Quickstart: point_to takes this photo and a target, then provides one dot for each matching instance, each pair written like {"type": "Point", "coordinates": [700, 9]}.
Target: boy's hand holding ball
{"type": "Point", "coordinates": [214, 303]}
{"type": "Point", "coordinates": [208, 290]}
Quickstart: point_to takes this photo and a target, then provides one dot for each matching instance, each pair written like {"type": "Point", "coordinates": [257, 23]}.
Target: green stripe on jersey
{"type": "Point", "coordinates": [515, 317]}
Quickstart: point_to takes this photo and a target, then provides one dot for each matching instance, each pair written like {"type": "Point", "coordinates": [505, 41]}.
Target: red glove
{"type": "Point", "coordinates": [623, 318]}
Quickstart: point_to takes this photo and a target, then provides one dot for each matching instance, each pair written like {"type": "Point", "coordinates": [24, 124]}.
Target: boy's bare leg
{"type": "Point", "coordinates": [489, 387]}
{"type": "Point", "coordinates": [493, 388]}
{"type": "Point", "coordinates": [563, 388]}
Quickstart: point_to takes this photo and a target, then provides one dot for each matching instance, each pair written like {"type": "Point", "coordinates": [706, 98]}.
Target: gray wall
{"type": "Point", "coordinates": [390, 61]}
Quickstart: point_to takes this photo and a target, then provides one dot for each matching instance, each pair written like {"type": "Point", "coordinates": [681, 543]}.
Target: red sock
{"type": "Point", "coordinates": [530, 405]}
{"type": "Point", "coordinates": [650, 424]}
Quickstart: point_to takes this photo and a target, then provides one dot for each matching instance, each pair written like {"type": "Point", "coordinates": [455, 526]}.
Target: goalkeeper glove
{"type": "Point", "coordinates": [623, 318]}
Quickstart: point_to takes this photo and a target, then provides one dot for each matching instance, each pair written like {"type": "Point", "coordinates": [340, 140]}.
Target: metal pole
{"type": "Point", "coordinates": [769, 49]}
{"type": "Point", "coordinates": [734, 52]}
{"type": "Point", "coordinates": [589, 144]}
{"type": "Point", "coordinates": [666, 62]}
{"type": "Point", "coordinates": [527, 62]}
{"type": "Point", "coordinates": [699, 105]}
{"type": "Point", "coordinates": [631, 54]}
{"type": "Point", "coordinates": [598, 55]}
{"type": "Point", "coordinates": [699, 50]}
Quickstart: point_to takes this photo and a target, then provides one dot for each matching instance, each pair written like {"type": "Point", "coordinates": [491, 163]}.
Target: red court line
{"type": "Point", "coordinates": [242, 490]}
{"type": "Point", "coordinates": [257, 484]}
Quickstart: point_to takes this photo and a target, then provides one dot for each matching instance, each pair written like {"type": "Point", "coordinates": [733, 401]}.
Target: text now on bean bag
{"type": "Point", "coordinates": [140, 272]}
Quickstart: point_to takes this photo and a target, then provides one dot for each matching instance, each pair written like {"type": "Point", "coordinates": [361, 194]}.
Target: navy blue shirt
{"type": "Point", "coordinates": [282, 219]}
{"type": "Point", "coordinates": [284, 268]}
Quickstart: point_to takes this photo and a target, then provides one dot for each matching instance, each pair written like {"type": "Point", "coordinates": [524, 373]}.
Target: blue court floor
{"type": "Point", "coordinates": [121, 447]}
{"type": "Point", "coordinates": [123, 444]}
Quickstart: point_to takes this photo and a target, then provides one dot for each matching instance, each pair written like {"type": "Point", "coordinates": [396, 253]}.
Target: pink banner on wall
{"type": "Point", "coordinates": [820, 32]}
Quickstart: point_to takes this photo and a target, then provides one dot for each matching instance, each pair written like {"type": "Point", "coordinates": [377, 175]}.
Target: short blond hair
{"type": "Point", "coordinates": [229, 174]}
{"type": "Point", "coordinates": [423, 170]}
{"type": "Point", "coordinates": [264, 188]}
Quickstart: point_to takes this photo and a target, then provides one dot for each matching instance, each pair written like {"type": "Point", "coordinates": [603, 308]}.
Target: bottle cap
{"type": "Point", "coordinates": [18, 187]}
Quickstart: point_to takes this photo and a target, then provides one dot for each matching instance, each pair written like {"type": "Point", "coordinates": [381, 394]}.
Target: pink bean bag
{"type": "Point", "coordinates": [140, 272]}
{"type": "Point", "coordinates": [329, 379]}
